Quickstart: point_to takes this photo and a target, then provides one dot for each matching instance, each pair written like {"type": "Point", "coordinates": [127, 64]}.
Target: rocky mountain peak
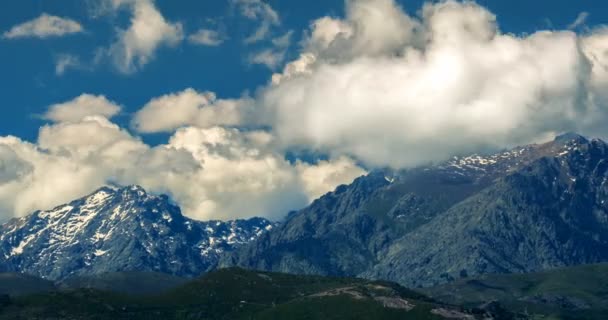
{"type": "Point", "coordinates": [569, 137]}
{"type": "Point", "coordinates": [119, 229]}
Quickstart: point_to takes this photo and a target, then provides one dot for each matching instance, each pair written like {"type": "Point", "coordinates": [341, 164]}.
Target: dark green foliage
{"type": "Point", "coordinates": [342, 307]}
{"type": "Point", "coordinates": [572, 293]}
{"type": "Point", "coordinates": [15, 284]}
{"type": "Point", "coordinates": [237, 294]}
{"type": "Point", "coordinates": [125, 282]}
{"type": "Point", "coordinates": [5, 300]}
{"type": "Point", "coordinates": [569, 293]}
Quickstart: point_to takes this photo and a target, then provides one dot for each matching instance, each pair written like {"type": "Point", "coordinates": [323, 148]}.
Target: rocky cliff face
{"type": "Point", "coordinates": [527, 209]}
{"type": "Point", "coordinates": [119, 229]}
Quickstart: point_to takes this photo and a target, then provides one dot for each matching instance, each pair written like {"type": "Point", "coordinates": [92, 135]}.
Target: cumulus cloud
{"type": "Point", "coordinates": [211, 172]}
{"type": "Point", "coordinates": [206, 37]}
{"type": "Point", "coordinates": [371, 28]}
{"type": "Point", "coordinates": [397, 90]}
{"type": "Point", "coordinates": [45, 26]}
{"type": "Point", "coordinates": [326, 175]}
{"type": "Point", "coordinates": [191, 108]}
{"type": "Point", "coordinates": [12, 167]}
{"type": "Point", "coordinates": [258, 10]}
{"type": "Point", "coordinates": [81, 107]}
{"type": "Point", "coordinates": [136, 46]}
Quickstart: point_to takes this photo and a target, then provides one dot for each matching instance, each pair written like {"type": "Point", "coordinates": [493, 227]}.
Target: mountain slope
{"type": "Point", "coordinates": [551, 213]}
{"type": "Point", "coordinates": [119, 229]}
{"type": "Point", "coordinates": [330, 237]}
{"type": "Point", "coordinates": [527, 209]}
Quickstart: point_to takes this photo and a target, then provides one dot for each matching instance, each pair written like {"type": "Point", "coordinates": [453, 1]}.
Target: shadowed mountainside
{"type": "Point", "coordinates": [527, 209]}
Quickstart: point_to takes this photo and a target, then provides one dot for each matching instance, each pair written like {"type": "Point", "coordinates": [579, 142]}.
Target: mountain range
{"type": "Point", "coordinates": [526, 209]}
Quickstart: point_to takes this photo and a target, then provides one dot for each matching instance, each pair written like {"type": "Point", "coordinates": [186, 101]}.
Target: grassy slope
{"type": "Point", "coordinates": [576, 292]}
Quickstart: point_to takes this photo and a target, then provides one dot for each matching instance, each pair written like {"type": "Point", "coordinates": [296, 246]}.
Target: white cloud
{"type": "Point", "coordinates": [206, 37]}
{"type": "Point", "coordinates": [83, 138]}
{"type": "Point", "coordinates": [275, 56]}
{"type": "Point", "coordinates": [326, 175]}
{"type": "Point", "coordinates": [12, 167]}
{"type": "Point", "coordinates": [212, 173]}
{"type": "Point", "coordinates": [371, 28]}
{"type": "Point", "coordinates": [301, 66]}
{"type": "Point", "coordinates": [241, 175]}
{"type": "Point", "coordinates": [65, 62]}
{"type": "Point", "coordinates": [396, 90]}
{"type": "Point", "coordinates": [45, 26]}
{"type": "Point", "coordinates": [191, 108]}
{"type": "Point", "coordinates": [268, 57]}
{"type": "Point", "coordinates": [581, 19]}
{"type": "Point", "coordinates": [81, 107]}
{"type": "Point", "coordinates": [148, 31]}
{"type": "Point", "coordinates": [261, 11]}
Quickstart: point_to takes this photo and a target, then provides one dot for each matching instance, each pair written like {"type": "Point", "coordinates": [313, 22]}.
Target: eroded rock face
{"type": "Point", "coordinates": [526, 209]}
{"type": "Point", "coordinates": [119, 229]}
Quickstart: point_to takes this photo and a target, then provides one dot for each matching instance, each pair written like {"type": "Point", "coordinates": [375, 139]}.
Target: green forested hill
{"type": "Point", "coordinates": [240, 294]}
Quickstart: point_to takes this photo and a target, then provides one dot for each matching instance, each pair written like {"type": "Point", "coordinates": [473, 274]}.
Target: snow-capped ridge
{"type": "Point", "coordinates": [507, 161]}
{"type": "Point", "coordinates": [119, 229]}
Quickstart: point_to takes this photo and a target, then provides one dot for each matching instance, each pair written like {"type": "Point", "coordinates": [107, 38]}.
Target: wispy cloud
{"type": "Point", "coordinates": [275, 56]}
{"type": "Point", "coordinates": [261, 11]}
{"type": "Point", "coordinates": [64, 62]}
{"type": "Point", "coordinates": [207, 37]}
{"type": "Point", "coordinates": [45, 26]}
{"type": "Point", "coordinates": [581, 19]}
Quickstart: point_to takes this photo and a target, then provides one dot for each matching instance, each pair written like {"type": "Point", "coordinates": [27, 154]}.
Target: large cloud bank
{"type": "Point", "coordinates": [212, 172]}
{"type": "Point", "coordinates": [398, 90]}
{"type": "Point", "coordinates": [377, 87]}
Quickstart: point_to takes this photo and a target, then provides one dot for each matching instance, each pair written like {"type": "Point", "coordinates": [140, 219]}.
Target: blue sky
{"type": "Point", "coordinates": [29, 82]}
{"type": "Point", "coordinates": [243, 108]}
